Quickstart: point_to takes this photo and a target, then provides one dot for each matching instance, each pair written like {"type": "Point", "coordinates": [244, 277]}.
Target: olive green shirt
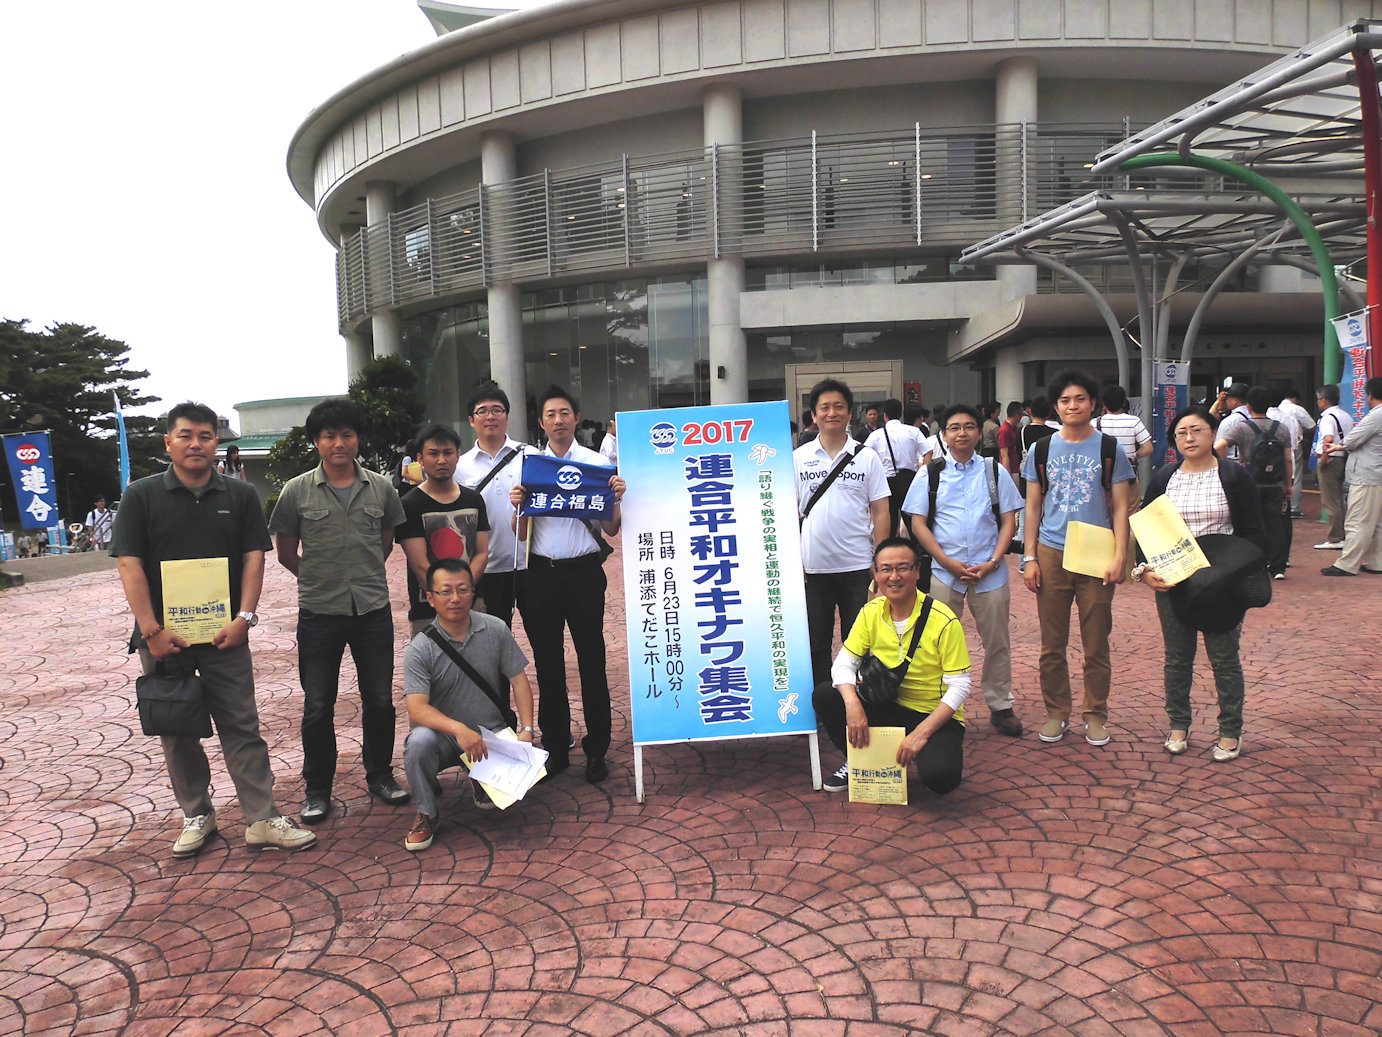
{"type": "Point", "coordinates": [342, 568]}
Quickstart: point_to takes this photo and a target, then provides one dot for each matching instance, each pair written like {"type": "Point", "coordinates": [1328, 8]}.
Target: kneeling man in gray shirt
{"type": "Point", "coordinates": [446, 706]}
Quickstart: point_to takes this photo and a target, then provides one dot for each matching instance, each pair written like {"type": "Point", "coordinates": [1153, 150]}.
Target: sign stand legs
{"type": "Point", "coordinates": [638, 771]}
{"type": "Point", "coordinates": [814, 740]}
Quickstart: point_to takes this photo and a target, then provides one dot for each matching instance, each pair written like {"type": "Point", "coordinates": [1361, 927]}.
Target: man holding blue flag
{"type": "Point", "coordinates": [564, 583]}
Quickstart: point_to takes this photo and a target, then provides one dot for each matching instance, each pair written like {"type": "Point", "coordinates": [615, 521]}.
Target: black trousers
{"type": "Point", "coordinates": [498, 592]}
{"type": "Point", "coordinates": [552, 599]}
{"type": "Point", "coordinates": [941, 762]}
{"type": "Point", "coordinates": [1277, 525]}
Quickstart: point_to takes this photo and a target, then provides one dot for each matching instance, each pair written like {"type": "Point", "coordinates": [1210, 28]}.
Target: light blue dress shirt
{"type": "Point", "coordinates": [965, 528]}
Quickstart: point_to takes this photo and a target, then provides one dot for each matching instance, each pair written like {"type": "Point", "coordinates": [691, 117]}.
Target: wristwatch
{"type": "Point", "coordinates": [249, 617]}
{"type": "Point", "coordinates": [1022, 565]}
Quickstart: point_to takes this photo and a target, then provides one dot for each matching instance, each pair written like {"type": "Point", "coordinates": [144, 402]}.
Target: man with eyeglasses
{"type": "Point", "coordinates": [930, 702]}
{"type": "Point", "coordinates": [492, 468]}
{"type": "Point", "coordinates": [967, 543]}
{"type": "Point", "coordinates": [447, 708]}
{"type": "Point", "coordinates": [445, 519]}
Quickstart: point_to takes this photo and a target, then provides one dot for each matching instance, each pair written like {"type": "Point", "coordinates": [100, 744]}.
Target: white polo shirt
{"type": "Point", "coordinates": [471, 470]}
{"type": "Point", "coordinates": [838, 534]}
{"type": "Point", "coordinates": [554, 537]}
{"type": "Point", "coordinates": [906, 442]}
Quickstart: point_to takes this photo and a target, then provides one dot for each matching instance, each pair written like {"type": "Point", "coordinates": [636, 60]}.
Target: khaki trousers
{"type": "Point", "coordinates": [990, 611]}
{"type": "Point", "coordinates": [1095, 604]}
{"type": "Point", "coordinates": [1362, 529]}
{"type": "Point", "coordinates": [1331, 477]}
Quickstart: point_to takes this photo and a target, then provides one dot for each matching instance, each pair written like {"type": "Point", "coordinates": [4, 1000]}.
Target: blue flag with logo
{"type": "Point", "coordinates": [568, 489]}
{"type": "Point", "coordinates": [31, 466]}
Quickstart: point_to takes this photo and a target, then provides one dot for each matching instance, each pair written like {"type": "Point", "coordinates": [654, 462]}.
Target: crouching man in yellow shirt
{"type": "Point", "coordinates": [930, 704]}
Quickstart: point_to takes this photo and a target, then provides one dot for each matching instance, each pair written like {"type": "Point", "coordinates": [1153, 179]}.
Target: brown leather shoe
{"type": "Point", "coordinates": [1007, 723]}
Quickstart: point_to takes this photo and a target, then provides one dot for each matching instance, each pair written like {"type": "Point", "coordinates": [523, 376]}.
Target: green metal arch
{"type": "Point", "coordinates": [1333, 360]}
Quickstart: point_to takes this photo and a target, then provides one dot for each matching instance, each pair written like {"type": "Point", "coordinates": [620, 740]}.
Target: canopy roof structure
{"type": "Point", "coordinates": [1298, 117]}
{"type": "Point", "coordinates": [1088, 230]}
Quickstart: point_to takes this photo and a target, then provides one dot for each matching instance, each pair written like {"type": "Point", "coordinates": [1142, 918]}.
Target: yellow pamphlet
{"type": "Point", "coordinates": [1088, 549]}
{"type": "Point", "coordinates": [1166, 541]}
{"type": "Point", "coordinates": [196, 598]}
{"type": "Point", "coordinates": [874, 773]}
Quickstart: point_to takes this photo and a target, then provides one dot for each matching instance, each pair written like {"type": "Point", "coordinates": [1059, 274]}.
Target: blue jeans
{"type": "Point", "coordinates": [322, 642]}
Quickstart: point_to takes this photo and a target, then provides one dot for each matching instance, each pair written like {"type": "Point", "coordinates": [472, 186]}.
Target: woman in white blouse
{"type": "Point", "coordinates": [1213, 495]}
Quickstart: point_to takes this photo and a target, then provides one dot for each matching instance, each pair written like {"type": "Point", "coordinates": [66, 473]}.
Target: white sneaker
{"type": "Point", "coordinates": [839, 781]}
{"type": "Point", "coordinates": [1330, 545]}
{"type": "Point", "coordinates": [278, 831]}
{"type": "Point", "coordinates": [196, 830]}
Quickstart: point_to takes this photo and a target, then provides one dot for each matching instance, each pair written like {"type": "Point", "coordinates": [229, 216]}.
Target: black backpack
{"type": "Point", "coordinates": [1267, 459]}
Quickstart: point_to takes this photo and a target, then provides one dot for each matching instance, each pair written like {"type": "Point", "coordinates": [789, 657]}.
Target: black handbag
{"type": "Point", "coordinates": [172, 701]}
{"type": "Point", "coordinates": [878, 683]}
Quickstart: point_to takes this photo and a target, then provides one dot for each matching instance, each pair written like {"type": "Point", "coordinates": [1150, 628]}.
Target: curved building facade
{"type": "Point", "coordinates": [663, 203]}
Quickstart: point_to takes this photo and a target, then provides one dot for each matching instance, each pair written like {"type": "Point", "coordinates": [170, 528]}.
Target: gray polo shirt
{"type": "Point", "coordinates": [342, 569]}
{"type": "Point", "coordinates": [489, 647]}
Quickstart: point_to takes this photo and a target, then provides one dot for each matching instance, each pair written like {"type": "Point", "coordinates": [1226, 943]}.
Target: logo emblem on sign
{"type": "Point", "coordinates": [663, 437]}
{"type": "Point", "coordinates": [568, 478]}
{"type": "Point", "coordinates": [28, 453]}
{"type": "Point", "coordinates": [1355, 328]}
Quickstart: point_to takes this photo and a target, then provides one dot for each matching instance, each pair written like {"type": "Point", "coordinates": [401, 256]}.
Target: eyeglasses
{"type": "Point", "coordinates": [485, 412]}
{"type": "Point", "coordinates": [453, 592]}
{"type": "Point", "coordinates": [971, 427]}
{"type": "Point", "coordinates": [889, 570]}
{"type": "Point", "coordinates": [1186, 433]}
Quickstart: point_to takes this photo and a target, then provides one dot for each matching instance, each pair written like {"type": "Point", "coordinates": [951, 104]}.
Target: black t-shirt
{"type": "Point", "coordinates": [451, 531]}
{"type": "Point", "coordinates": [1029, 437]}
{"type": "Point", "coordinates": [161, 520]}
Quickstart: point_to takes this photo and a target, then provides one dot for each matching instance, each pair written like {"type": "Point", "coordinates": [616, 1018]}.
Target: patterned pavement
{"type": "Point", "coordinates": [1061, 889]}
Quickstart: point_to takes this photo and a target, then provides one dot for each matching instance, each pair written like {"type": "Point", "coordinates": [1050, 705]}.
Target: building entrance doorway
{"type": "Point", "coordinates": [871, 381]}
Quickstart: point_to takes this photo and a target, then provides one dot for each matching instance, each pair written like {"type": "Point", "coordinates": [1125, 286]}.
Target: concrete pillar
{"type": "Point", "coordinates": [1015, 102]}
{"type": "Point", "coordinates": [380, 198]}
{"type": "Point", "coordinates": [359, 352]}
{"type": "Point", "coordinates": [723, 114]}
{"type": "Point", "coordinates": [1007, 379]}
{"type": "Point", "coordinates": [1279, 280]}
{"type": "Point", "coordinates": [499, 165]}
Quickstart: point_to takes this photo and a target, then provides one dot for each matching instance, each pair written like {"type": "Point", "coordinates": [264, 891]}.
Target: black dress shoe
{"type": "Point", "coordinates": [1007, 723]}
{"type": "Point", "coordinates": [596, 770]}
{"type": "Point", "coordinates": [316, 809]}
{"type": "Point", "coordinates": [1334, 570]}
{"type": "Point", "coordinates": [555, 765]}
{"type": "Point", "coordinates": [388, 791]}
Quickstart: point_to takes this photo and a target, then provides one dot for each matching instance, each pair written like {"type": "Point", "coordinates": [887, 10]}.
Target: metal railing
{"type": "Point", "coordinates": [933, 190]}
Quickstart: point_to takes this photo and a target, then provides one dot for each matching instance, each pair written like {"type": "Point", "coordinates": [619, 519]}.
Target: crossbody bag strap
{"type": "Point", "coordinates": [927, 602]}
{"type": "Point", "coordinates": [890, 448]}
{"type": "Point", "coordinates": [441, 642]}
{"type": "Point", "coordinates": [821, 487]}
{"type": "Point", "coordinates": [513, 452]}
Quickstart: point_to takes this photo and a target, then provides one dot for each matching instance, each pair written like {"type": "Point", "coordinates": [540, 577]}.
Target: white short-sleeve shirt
{"type": "Point", "coordinates": [838, 534]}
{"type": "Point", "coordinates": [555, 537]}
{"type": "Point", "coordinates": [471, 470]}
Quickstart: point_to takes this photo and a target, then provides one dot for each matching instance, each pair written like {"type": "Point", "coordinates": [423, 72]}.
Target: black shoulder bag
{"type": "Point", "coordinates": [843, 463]}
{"type": "Point", "coordinates": [172, 701]}
{"type": "Point", "coordinates": [505, 710]}
{"type": "Point", "coordinates": [878, 683]}
{"type": "Point", "coordinates": [498, 467]}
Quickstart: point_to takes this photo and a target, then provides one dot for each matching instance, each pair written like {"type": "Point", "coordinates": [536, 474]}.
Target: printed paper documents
{"type": "Point", "coordinates": [196, 598]}
{"type": "Point", "coordinates": [511, 768]}
{"type": "Point", "coordinates": [874, 773]}
{"type": "Point", "coordinates": [1166, 541]}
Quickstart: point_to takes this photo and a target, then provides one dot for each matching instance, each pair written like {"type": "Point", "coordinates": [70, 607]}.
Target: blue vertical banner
{"type": "Point", "coordinates": [124, 444]}
{"type": "Point", "coordinates": [713, 586]}
{"type": "Point", "coordinates": [1352, 329]}
{"type": "Point", "coordinates": [1172, 394]}
{"type": "Point", "coordinates": [31, 467]}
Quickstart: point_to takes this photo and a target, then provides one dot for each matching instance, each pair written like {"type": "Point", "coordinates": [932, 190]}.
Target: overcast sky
{"type": "Point", "coordinates": [144, 185]}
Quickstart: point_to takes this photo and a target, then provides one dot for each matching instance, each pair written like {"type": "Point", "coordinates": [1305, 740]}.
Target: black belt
{"type": "Point", "coordinates": [536, 561]}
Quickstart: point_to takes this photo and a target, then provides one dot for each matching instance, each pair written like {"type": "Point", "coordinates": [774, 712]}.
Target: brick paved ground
{"type": "Point", "coordinates": [1062, 889]}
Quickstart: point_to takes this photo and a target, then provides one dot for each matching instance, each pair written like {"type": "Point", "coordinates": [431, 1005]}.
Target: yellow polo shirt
{"type": "Point", "coordinates": [942, 650]}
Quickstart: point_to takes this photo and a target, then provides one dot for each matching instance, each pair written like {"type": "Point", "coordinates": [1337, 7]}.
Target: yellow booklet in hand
{"type": "Point", "coordinates": [1088, 549]}
{"type": "Point", "coordinates": [196, 598]}
{"type": "Point", "coordinates": [1166, 541]}
{"type": "Point", "coordinates": [874, 773]}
